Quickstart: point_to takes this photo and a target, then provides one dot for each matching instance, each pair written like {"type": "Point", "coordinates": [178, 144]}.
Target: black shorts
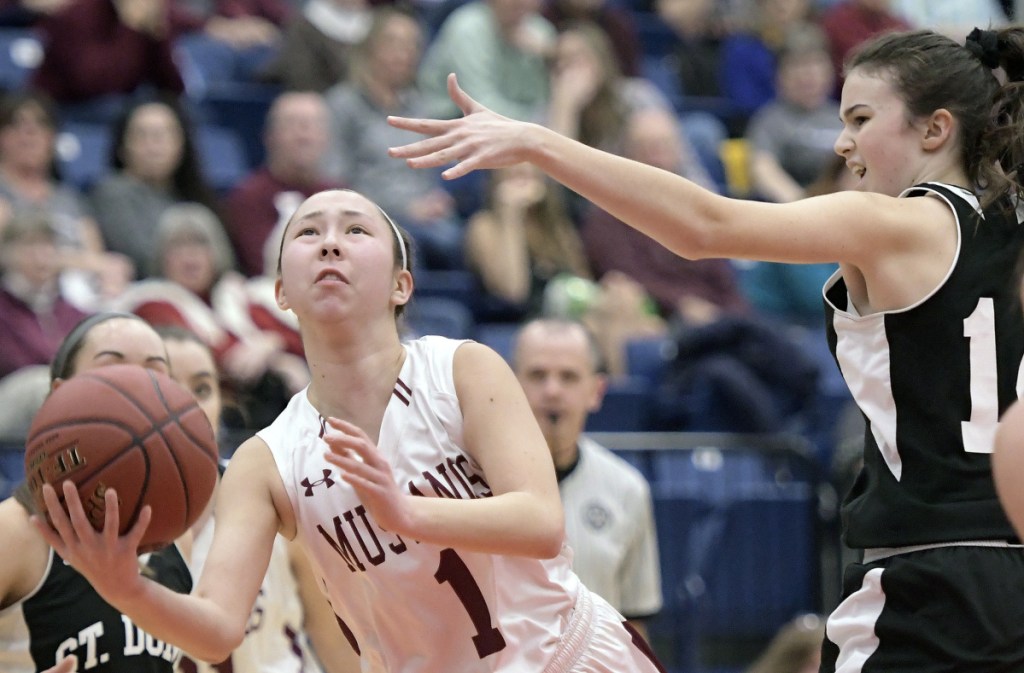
{"type": "Point", "coordinates": [942, 610]}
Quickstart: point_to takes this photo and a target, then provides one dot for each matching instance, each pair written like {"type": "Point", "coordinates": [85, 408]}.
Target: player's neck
{"type": "Point", "coordinates": [355, 384]}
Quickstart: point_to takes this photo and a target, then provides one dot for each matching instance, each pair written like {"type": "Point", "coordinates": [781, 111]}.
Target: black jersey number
{"type": "Point", "coordinates": [980, 329]}
{"type": "Point", "coordinates": [453, 570]}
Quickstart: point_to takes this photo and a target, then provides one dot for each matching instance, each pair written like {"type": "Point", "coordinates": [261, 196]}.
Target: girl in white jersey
{"type": "Point", "coordinates": [923, 319]}
{"type": "Point", "coordinates": [414, 475]}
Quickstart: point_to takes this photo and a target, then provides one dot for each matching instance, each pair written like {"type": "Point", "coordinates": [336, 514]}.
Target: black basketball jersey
{"type": "Point", "coordinates": [931, 381]}
{"type": "Point", "coordinates": [66, 616]}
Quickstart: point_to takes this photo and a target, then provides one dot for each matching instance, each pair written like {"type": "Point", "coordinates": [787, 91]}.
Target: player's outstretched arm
{"type": "Point", "coordinates": [1008, 464]}
{"type": "Point", "coordinates": [852, 227]}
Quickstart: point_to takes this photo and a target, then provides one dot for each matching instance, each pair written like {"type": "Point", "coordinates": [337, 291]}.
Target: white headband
{"type": "Point", "coordinates": [398, 235]}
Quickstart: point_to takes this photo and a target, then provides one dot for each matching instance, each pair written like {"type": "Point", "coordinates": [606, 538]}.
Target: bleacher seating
{"type": "Point", "coordinates": [20, 54]}
{"type": "Point", "coordinates": [12, 466]}
{"type": "Point", "coordinates": [738, 535]}
{"type": "Point", "coordinates": [441, 316]}
{"type": "Point", "coordinates": [222, 156]}
{"type": "Point", "coordinates": [83, 153]}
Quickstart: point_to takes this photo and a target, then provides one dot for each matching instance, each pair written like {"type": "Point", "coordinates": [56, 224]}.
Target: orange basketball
{"type": "Point", "coordinates": [131, 429]}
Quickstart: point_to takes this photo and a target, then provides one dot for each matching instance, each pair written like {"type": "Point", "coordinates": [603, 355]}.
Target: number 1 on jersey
{"type": "Point", "coordinates": [980, 328]}
{"type": "Point", "coordinates": [453, 570]}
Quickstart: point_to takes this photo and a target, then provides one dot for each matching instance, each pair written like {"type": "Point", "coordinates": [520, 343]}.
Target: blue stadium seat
{"type": "Point", "coordinates": [739, 540]}
{"type": "Point", "coordinates": [647, 358]}
{"type": "Point", "coordinates": [457, 285]}
{"type": "Point", "coordinates": [222, 156]}
{"type": "Point", "coordinates": [12, 467]}
{"type": "Point", "coordinates": [83, 153]}
{"type": "Point", "coordinates": [21, 52]}
{"type": "Point", "coordinates": [441, 316]}
{"type": "Point", "coordinates": [498, 335]}
{"type": "Point", "coordinates": [625, 407]}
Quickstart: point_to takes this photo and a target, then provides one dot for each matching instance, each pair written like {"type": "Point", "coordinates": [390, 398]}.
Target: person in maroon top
{"type": "Point", "coordinates": [296, 136]}
{"type": "Point", "coordinates": [98, 47]}
{"type": "Point", "coordinates": [698, 290]}
{"type": "Point", "coordinates": [848, 23]}
{"type": "Point", "coordinates": [35, 315]}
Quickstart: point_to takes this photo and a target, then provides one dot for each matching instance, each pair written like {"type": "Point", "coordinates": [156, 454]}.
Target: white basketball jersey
{"type": "Point", "coordinates": [274, 638]}
{"type": "Point", "coordinates": [409, 606]}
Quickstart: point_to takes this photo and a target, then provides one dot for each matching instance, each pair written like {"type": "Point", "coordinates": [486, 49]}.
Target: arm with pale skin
{"type": "Point", "coordinates": [1008, 464]}
{"type": "Point", "coordinates": [524, 515]}
{"type": "Point", "coordinates": [320, 624]}
{"type": "Point", "coordinates": [876, 238]}
{"type": "Point", "coordinates": [209, 623]}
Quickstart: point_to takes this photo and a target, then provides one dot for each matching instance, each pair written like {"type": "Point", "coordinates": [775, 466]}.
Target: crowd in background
{"type": "Point", "coordinates": [738, 96]}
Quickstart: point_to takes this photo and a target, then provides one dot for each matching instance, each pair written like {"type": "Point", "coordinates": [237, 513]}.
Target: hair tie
{"type": "Point", "coordinates": [984, 44]}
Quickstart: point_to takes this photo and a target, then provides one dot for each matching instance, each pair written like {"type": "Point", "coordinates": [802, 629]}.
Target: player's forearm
{"type": "Point", "coordinates": [677, 213]}
{"type": "Point", "coordinates": [194, 624]}
{"type": "Point", "coordinates": [515, 524]}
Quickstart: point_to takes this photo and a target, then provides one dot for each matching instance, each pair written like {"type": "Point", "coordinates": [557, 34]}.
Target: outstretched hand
{"type": "Point", "coordinates": [107, 560]}
{"type": "Point", "coordinates": [481, 138]}
{"type": "Point", "coordinates": [369, 473]}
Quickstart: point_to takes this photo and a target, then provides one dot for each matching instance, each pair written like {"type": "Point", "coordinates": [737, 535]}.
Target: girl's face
{"type": "Point", "coordinates": [192, 366]}
{"type": "Point", "coordinates": [153, 143]}
{"type": "Point", "coordinates": [27, 142]}
{"type": "Point", "coordinates": [338, 259]}
{"type": "Point", "coordinates": [574, 53]}
{"type": "Point", "coordinates": [121, 341]}
{"type": "Point", "coordinates": [879, 142]}
{"type": "Point", "coordinates": [396, 51]}
{"type": "Point", "coordinates": [191, 264]}
{"type": "Point", "coordinates": [34, 258]}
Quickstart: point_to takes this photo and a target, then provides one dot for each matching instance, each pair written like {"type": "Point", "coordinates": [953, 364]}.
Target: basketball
{"type": "Point", "coordinates": [131, 429]}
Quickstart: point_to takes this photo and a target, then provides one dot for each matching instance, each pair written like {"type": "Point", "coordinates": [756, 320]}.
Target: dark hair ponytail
{"type": "Point", "coordinates": [1000, 148]}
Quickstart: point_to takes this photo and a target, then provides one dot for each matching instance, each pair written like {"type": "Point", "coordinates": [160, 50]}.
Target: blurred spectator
{"type": "Point", "coordinates": [954, 18]}
{"type": "Point", "coordinates": [796, 648]}
{"type": "Point", "coordinates": [317, 45]}
{"type": "Point", "coordinates": [522, 239]}
{"type": "Point", "coordinates": [591, 101]}
{"type": "Point", "coordinates": [382, 83]}
{"type": "Point", "coordinates": [848, 23]}
{"type": "Point", "coordinates": [227, 41]}
{"type": "Point", "coordinates": [98, 47]}
{"type": "Point", "coordinates": [615, 21]}
{"type": "Point", "coordinates": [154, 162]}
{"type": "Point", "coordinates": [296, 137]}
{"type": "Point", "coordinates": [197, 290]}
{"type": "Point", "coordinates": [791, 138]}
{"type": "Point", "coordinates": [698, 51]}
{"type": "Point", "coordinates": [698, 290]}
{"type": "Point", "coordinates": [35, 315]}
{"type": "Point", "coordinates": [498, 50]}
{"type": "Point", "coordinates": [28, 130]}
{"type": "Point", "coordinates": [609, 514]}
{"type": "Point", "coordinates": [748, 64]}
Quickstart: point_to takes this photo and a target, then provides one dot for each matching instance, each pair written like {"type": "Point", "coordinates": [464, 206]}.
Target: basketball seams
{"type": "Point", "coordinates": [143, 424]}
{"type": "Point", "coordinates": [175, 416]}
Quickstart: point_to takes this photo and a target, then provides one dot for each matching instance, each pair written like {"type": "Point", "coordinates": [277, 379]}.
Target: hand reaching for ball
{"type": "Point", "coordinates": [108, 560]}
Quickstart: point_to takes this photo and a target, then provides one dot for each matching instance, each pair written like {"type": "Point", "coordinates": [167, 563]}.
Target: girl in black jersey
{"type": "Point", "coordinates": [922, 316]}
{"type": "Point", "coordinates": [49, 613]}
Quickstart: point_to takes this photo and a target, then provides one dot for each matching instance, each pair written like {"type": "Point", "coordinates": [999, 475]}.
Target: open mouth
{"type": "Point", "coordinates": [331, 275]}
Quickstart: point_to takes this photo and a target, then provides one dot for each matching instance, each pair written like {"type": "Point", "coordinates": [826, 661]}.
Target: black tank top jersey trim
{"type": "Point", "coordinates": [943, 493]}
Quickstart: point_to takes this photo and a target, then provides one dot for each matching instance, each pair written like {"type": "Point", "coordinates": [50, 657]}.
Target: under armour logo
{"type": "Point", "coordinates": [310, 484]}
